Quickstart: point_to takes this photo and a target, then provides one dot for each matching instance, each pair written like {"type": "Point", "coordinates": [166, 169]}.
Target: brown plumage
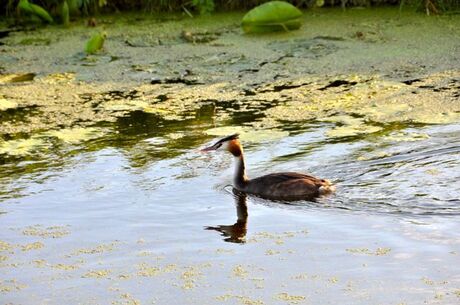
{"type": "Point", "coordinates": [278, 186]}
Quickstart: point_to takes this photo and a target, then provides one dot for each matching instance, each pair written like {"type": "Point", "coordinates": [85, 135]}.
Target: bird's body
{"type": "Point", "coordinates": [278, 186]}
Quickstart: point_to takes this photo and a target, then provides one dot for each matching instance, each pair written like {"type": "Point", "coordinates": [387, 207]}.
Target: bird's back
{"type": "Point", "coordinates": [288, 185]}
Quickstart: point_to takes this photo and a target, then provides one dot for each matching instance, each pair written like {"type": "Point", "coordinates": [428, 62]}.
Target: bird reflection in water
{"type": "Point", "coordinates": [235, 233]}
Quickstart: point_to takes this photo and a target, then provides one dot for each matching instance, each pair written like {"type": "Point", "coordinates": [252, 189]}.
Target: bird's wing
{"type": "Point", "coordinates": [287, 176]}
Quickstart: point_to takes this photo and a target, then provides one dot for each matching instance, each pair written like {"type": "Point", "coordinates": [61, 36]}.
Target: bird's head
{"type": "Point", "coordinates": [229, 143]}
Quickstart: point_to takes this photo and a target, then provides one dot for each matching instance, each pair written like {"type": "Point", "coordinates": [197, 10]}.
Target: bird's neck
{"type": "Point", "coordinates": [240, 179]}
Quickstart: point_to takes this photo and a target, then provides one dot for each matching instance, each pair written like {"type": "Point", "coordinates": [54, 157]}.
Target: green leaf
{"type": "Point", "coordinates": [64, 12]}
{"type": "Point", "coordinates": [272, 16]}
{"type": "Point", "coordinates": [41, 12]}
{"type": "Point", "coordinates": [95, 43]}
{"type": "Point", "coordinates": [73, 6]}
{"type": "Point", "coordinates": [24, 6]}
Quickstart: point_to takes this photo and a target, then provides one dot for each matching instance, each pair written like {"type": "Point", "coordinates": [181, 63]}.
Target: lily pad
{"type": "Point", "coordinates": [271, 17]}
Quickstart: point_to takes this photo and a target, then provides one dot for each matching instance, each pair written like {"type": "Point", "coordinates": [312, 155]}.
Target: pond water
{"type": "Point", "coordinates": [140, 220]}
{"type": "Point", "coordinates": [125, 209]}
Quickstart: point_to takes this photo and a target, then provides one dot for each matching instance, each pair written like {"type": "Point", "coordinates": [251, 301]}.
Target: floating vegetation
{"type": "Point", "coordinates": [35, 41]}
{"type": "Point", "coordinates": [148, 270]}
{"type": "Point", "coordinates": [240, 271]}
{"type": "Point", "coordinates": [5, 246]}
{"type": "Point", "coordinates": [378, 252]}
{"type": "Point", "coordinates": [349, 126]}
{"type": "Point", "coordinates": [352, 130]}
{"type": "Point", "coordinates": [360, 105]}
{"type": "Point", "coordinates": [46, 232]}
{"type": "Point", "coordinates": [291, 299]}
{"type": "Point", "coordinates": [130, 105]}
{"type": "Point", "coordinates": [58, 78]}
{"type": "Point", "coordinates": [198, 37]}
{"type": "Point", "coordinates": [248, 134]}
{"type": "Point", "coordinates": [23, 147]}
{"type": "Point", "coordinates": [10, 285]}
{"type": "Point", "coordinates": [404, 136]}
{"type": "Point", "coordinates": [16, 78]}
{"type": "Point", "coordinates": [98, 249]}
{"type": "Point", "coordinates": [7, 104]}
{"type": "Point", "coordinates": [76, 135]}
{"type": "Point", "coordinates": [271, 17]}
{"type": "Point", "coordinates": [191, 275]}
{"type": "Point", "coordinates": [65, 267]}
{"type": "Point", "coordinates": [97, 274]}
{"type": "Point", "coordinates": [32, 246]}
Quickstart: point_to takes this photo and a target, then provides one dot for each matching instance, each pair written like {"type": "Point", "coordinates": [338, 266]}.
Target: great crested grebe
{"type": "Point", "coordinates": [278, 186]}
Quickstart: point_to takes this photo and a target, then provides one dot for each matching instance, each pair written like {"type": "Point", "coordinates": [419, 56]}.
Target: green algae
{"type": "Point", "coordinates": [349, 126]}
{"type": "Point", "coordinates": [16, 78]}
{"type": "Point", "coordinates": [404, 136]}
{"type": "Point", "coordinates": [378, 252]}
{"type": "Point", "coordinates": [11, 286]}
{"type": "Point", "coordinates": [23, 147]}
{"type": "Point", "coordinates": [76, 135]}
{"type": "Point", "coordinates": [98, 274]}
{"type": "Point", "coordinates": [7, 104]}
{"type": "Point", "coordinates": [32, 246]}
{"type": "Point", "coordinates": [289, 298]}
{"type": "Point", "coordinates": [368, 101]}
{"type": "Point", "coordinates": [248, 134]}
{"type": "Point", "coordinates": [102, 248]}
{"type": "Point", "coordinates": [46, 232]}
{"type": "Point", "coordinates": [239, 271]}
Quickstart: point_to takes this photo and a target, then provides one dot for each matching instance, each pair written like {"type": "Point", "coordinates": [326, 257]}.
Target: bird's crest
{"type": "Point", "coordinates": [229, 138]}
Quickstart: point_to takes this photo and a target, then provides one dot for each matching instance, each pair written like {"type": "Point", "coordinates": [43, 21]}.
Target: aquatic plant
{"type": "Point", "coordinates": [90, 7]}
{"type": "Point", "coordinates": [272, 16]}
{"type": "Point", "coordinates": [432, 6]}
{"type": "Point", "coordinates": [34, 10]}
{"type": "Point", "coordinates": [60, 8]}
{"type": "Point", "coordinates": [205, 7]}
{"type": "Point", "coordinates": [95, 43]}
{"type": "Point", "coordinates": [65, 13]}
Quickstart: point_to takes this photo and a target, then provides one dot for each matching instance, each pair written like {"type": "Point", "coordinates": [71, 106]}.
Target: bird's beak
{"type": "Point", "coordinates": [210, 148]}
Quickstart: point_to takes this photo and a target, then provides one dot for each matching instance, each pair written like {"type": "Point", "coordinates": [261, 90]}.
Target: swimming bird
{"type": "Point", "coordinates": [276, 186]}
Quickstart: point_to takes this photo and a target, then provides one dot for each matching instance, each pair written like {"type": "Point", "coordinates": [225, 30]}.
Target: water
{"type": "Point", "coordinates": [138, 216]}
